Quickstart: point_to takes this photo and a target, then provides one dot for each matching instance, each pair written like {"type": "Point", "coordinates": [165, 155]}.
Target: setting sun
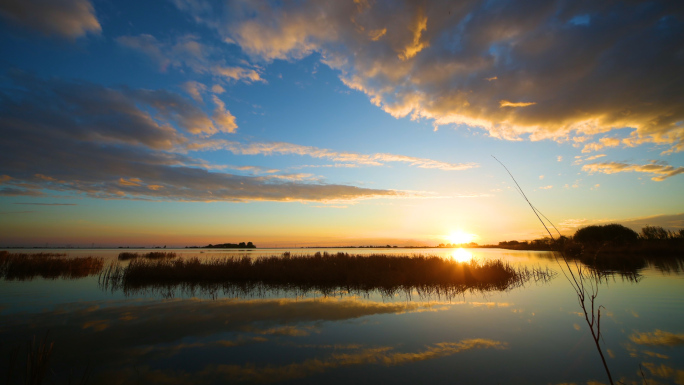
{"type": "Point", "coordinates": [460, 237]}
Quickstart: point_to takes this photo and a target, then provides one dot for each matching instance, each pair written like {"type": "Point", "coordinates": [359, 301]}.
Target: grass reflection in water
{"type": "Point", "coordinates": [329, 274]}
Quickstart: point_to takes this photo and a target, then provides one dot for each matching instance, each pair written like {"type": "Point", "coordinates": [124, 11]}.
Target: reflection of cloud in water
{"type": "Point", "coordinates": [654, 354]}
{"type": "Point", "coordinates": [664, 371]}
{"type": "Point", "coordinates": [657, 337]}
{"type": "Point", "coordinates": [115, 335]}
{"type": "Point", "coordinates": [265, 374]}
{"type": "Point", "coordinates": [490, 305]}
{"type": "Point", "coordinates": [289, 330]}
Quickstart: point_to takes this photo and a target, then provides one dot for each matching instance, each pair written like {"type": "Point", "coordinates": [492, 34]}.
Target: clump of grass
{"type": "Point", "coordinates": [160, 255]}
{"type": "Point", "coordinates": [20, 266]}
{"type": "Point", "coordinates": [127, 255]}
{"type": "Point", "coordinates": [327, 273]}
{"type": "Point", "coordinates": [151, 255]}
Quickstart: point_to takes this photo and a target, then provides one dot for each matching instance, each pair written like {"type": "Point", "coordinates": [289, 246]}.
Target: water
{"type": "Point", "coordinates": [533, 334]}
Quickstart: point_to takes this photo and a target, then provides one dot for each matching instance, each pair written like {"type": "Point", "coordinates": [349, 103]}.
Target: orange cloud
{"type": "Point", "coordinates": [451, 83]}
{"type": "Point", "coordinates": [130, 182]}
{"type": "Point", "coordinates": [420, 25]}
{"type": "Point", "coordinates": [238, 73]}
{"type": "Point", "coordinates": [661, 169]}
{"type": "Point", "coordinates": [225, 121]}
{"type": "Point", "coordinates": [506, 103]}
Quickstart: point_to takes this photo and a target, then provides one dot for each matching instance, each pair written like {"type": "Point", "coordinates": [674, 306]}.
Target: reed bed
{"type": "Point", "coordinates": [21, 266]}
{"type": "Point", "coordinates": [326, 273]}
{"type": "Point", "coordinates": [125, 256]}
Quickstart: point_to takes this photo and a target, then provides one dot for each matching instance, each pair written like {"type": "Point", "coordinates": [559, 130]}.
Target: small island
{"type": "Point", "coordinates": [241, 245]}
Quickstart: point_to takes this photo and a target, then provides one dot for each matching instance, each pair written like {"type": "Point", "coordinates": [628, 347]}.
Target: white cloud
{"type": "Point", "coordinates": [344, 159]}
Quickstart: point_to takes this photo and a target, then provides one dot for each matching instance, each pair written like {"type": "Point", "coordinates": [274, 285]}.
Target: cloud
{"type": "Point", "coordinates": [436, 60]}
{"type": "Point", "coordinates": [188, 52]}
{"type": "Point", "coordinates": [225, 121]}
{"type": "Point", "coordinates": [238, 73]}
{"type": "Point", "coordinates": [69, 19]}
{"type": "Point", "coordinates": [90, 112]}
{"type": "Point", "coordinates": [546, 187]}
{"type": "Point", "coordinates": [506, 103]}
{"type": "Point", "coordinates": [194, 89]}
{"type": "Point", "coordinates": [46, 204]}
{"type": "Point", "coordinates": [661, 169]}
{"type": "Point", "coordinates": [572, 223]}
{"type": "Point", "coordinates": [85, 139]}
{"type": "Point", "coordinates": [671, 221]}
{"type": "Point", "coordinates": [417, 44]}
{"type": "Point", "coordinates": [217, 89]}
{"type": "Point", "coordinates": [346, 159]}
{"type": "Point", "coordinates": [603, 142]}
{"type": "Point", "coordinates": [580, 160]}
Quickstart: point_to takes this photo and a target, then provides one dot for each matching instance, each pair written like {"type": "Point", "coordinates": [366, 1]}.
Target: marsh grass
{"type": "Point", "coordinates": [125, 256]}
{"type": "Point", "coordinates": [20, 266]}
{"type": "Point", "coordinates": [326, 273]}
{"type": "Point", "coordinates": [38, 353]}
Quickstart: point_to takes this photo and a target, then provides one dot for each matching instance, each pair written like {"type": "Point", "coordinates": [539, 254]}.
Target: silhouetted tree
{"type": "Point", "coordinates": [605, 234]}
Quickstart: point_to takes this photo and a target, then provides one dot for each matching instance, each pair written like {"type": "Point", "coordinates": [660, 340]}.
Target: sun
{"type": "Point", "coordinates": [459, 237]}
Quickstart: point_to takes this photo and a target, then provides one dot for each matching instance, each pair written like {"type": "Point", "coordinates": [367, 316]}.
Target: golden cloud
{"type": "Point", "coordinates": [451, 82]}
{"type": "Point", "coordinates": [661, 170]}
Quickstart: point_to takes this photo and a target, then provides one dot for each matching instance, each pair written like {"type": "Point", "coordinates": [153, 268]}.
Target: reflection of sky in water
{"type": "Point", "coordinates": [526, 335]}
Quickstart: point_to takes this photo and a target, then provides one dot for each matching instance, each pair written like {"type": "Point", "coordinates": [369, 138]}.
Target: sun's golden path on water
{"type": "Point", "coordinates": [461, 255]}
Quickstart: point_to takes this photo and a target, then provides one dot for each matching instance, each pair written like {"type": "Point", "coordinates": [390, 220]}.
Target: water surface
{"type": "Point", "coordinates": [531, 334]}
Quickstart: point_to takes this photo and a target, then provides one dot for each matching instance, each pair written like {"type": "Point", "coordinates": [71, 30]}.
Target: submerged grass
{"type": "Point", "coordinates": [327, 273]}
{"type": "Point", "coordinates": [151, 255]}
{"type": "Point", "coordinates": [20, 266]}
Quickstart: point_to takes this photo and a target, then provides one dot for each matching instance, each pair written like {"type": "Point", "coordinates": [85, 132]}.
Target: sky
{"type": "Point", "coordinates": [321, 123]}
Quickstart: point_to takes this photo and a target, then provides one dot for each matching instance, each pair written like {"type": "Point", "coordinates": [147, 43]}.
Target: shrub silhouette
{"type": "Point", "coordinates": [653, 233]}
{"type": "Point", "coordinates": [613, 233]}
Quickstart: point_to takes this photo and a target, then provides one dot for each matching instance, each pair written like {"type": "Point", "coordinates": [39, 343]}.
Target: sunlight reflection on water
{"type": "Point", "coordinates": [461, 255]}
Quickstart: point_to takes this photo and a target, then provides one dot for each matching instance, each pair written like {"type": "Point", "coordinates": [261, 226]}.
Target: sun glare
{"type": "Point", "coordinates": [460, 237]}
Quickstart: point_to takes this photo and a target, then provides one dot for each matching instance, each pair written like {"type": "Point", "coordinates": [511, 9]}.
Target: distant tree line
{"type": "Point", "coordinates": [608, 238]}
{"type": "Point", "coordinates": [241, 245]}
{"type": "Point", "coordinates": [448, 245]}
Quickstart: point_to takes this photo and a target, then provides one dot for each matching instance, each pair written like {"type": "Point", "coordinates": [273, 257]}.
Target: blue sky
{"type": "Point", "coordinates": [335, 123]}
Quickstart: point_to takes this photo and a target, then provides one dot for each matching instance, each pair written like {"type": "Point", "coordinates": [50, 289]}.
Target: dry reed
{"type": "Point", "coordinates": [20, 266]}
{"type": "Point", "coordinates": [326, 273]}
{"type": "Point", "coordinates": [151, 255]}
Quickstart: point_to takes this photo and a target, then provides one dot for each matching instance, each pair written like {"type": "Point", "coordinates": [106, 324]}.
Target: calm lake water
{"type": "Point", "coordinates": [535, 334]}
